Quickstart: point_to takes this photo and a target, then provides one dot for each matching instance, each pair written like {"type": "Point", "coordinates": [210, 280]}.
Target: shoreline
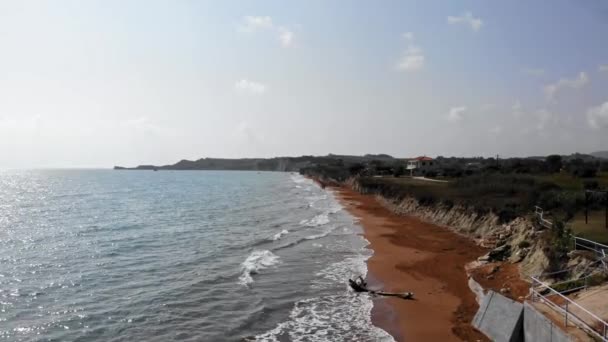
{"type": "Point", "coordinates": [429, 260]}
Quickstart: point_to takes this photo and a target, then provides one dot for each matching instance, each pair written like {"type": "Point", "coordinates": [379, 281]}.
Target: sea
{"type": "Point", "coordinates": [104, 255]}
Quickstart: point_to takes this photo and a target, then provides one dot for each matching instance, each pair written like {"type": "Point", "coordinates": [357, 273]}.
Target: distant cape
{"type": "Point", "coordinates": [259, 164]}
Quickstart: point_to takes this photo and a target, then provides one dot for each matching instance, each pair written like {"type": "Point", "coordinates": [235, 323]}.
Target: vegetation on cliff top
{"type": "Point", "coordinates": [508, 188]}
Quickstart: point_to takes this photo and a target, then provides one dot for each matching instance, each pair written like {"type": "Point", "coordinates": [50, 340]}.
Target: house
{"type": "Point", "coordinates": [421, 164]}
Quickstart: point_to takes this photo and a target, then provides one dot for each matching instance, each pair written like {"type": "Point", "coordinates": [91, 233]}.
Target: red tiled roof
{"type": "Point", "coordinates": [423, 158]}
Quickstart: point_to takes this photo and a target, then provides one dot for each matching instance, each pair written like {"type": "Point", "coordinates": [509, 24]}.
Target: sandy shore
{"type": "Point", "coordinates": [411, 255]}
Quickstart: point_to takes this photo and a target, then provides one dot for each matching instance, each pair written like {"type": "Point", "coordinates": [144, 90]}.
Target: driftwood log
{"type": "Point", "coordinates": [359, 285]}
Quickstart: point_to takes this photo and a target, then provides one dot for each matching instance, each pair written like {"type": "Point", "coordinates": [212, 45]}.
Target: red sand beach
{"type": "Point", "coordinates": [411, 255]}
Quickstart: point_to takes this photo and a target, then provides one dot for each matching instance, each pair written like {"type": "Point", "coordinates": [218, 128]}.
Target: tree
{"type": "Point", "coordinates": [398, 171]}
{"type": "Point", "coordinates": [554, 163]}
{"type": "Point", "coordinates": [356, 168]}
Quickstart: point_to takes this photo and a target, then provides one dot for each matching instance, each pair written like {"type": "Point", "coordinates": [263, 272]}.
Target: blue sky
{"type": "Point", "coordinates": [98, 83]}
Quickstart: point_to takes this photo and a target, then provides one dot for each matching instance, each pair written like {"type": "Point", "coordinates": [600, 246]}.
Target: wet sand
{"type": "Point", "coordinates": [411, 255]}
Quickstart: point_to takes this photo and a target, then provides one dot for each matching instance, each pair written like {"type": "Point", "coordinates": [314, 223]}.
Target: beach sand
{"type": "Point", "coordinates": [411, 255]}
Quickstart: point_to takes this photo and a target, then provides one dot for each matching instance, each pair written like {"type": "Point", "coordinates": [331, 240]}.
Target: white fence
{"type": "Point", "coordinates": [570, 310]}
{"type": "Point", "coordinates": [538, 211]}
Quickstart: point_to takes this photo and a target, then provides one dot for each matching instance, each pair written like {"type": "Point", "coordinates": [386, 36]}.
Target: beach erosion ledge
{"type": "Point", "coordinates": [413, 252]}
{"type": "Point", "coordinates": [411, 255]}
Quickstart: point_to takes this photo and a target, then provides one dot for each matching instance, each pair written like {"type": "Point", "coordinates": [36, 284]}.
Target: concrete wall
{"type": "Point", "coordinates": [539, 328]}
{"type": "Point", "coordinates": [500, 318]}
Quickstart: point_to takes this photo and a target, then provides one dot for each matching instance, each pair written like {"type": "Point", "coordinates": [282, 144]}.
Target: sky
{"type": "Point", "coordinates": [125, 82]}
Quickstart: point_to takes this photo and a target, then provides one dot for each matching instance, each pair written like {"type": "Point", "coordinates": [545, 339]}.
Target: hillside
{"type": "Point", "coordinates": [263, 164]}
{"type": "Point", "coordinates": [600, 154]}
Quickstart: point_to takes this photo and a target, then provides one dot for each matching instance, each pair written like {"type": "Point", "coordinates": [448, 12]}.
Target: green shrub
{"type": "Point", "coordinates": [591, 185]}
{"type": "Point", "coordinates": [524, 244]}
{"type": "Point", "coordinates": [506, 215]}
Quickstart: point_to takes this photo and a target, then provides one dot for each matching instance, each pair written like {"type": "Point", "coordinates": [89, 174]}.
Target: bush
{"type": "Point", "coordinates": [398, 171]}
{"type": "Point", "coordinates": [585, 171]}
{"type": "Point", "coordinates": [356, 168]}
{"type": "Point", "coordinates": [524, 244]}
{"type": "Point", "coordinates": [591, 185]}
{"type": "Point", "coordinates": [506, 215]}
{"type": "Point", "coordinates": [554, 163]}
{"type": "Point", "coordinates": [448, 203]}
{"type": "Point", "coordinates": [427, 200]}
{"type": "Point", "coordinates": [430, 174]}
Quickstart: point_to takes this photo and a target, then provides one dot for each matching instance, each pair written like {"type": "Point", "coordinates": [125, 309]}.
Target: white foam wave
{"type": "Point", "coordinates": [344, 317]}
{"type": "Point", "coordinates": [279, 235]}
{"type": "Point", "coordinates": [334, 209]}
{"type": "Point", "coordinates": [319, 220]}
{"type": "Point", "coordinates": [332, 318]}
{"type": "Point", "coordinates": [318, 236]}
{"type": "Point", "coordinates": [297, 178]}
{"type": "Point", "coordinates": [345, 269]}
{"type": "Point", "coordinates": [256, 261]}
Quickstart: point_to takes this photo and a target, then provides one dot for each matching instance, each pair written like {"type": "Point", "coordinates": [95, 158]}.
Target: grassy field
{"type": "Point", "coordinates": [511, 197]}
{"type": "Point", "coordinates": [596, 228]}
{"type": "Point", "coordinates": [568, 182]}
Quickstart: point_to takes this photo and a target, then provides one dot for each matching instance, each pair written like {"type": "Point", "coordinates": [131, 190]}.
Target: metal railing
{"type": "Point", "coordinates": [598, 248]}
{"type": "Point", "coordinates": [538, 211]}
{"type": "Point", "coordinates": [572, 312]}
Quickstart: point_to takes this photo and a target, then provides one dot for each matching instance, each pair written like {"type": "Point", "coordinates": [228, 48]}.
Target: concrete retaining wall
{"type": "Point", "coordinates": [539, 328]}
{"type": "Point", "coordinates": [505, 320]}
{"type": "Point", "coordinates": [500, 318]}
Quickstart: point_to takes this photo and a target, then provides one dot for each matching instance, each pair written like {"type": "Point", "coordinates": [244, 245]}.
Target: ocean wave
{"type": "Point", "coordinates": [297, 178]}
{"type": "Point", "coordinates": [318, 236]}
{"type": "Point", "coordinates": [319, 220]}
{"type": "Point", "coordinates": [344, 317]}
{"type": "Point", "coordinates": [334, 209]}
{"type": "Point", "coordinates": [337, 272]}
{"type": "Point", "coordinates": [279, 235]}
{"type": "Point", "coordinates": [256, 261]}
{"type": "Point", "coordinates": [307, 238]}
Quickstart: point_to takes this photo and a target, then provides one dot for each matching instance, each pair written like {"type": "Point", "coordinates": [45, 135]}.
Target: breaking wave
{"type": "Point", "coordinates": [333, 317]}
{"type": "Point", "coordinates": [255, 262]}
{"type": "Point", "coordinates": [319, 220]}
{"type": "Point", "coordinates": [279, 235]}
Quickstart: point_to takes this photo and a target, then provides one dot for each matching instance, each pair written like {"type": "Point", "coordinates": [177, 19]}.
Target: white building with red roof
{"type": "Point", "coordinates": [421, 164]}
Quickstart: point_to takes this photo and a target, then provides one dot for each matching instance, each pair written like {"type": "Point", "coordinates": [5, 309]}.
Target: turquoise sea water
{"type": "Point", "coordinates": [102, 255]}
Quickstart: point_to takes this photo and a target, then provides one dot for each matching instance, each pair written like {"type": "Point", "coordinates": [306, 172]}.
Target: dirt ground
{"type": "Point", "coordinates": [411, 255]}
{"type": "Point", "coordinates": [497, 276]}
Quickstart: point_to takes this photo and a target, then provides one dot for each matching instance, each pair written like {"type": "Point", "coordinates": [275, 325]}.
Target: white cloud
{"type": "Point", "coordinates": [250, 86]}
{"type": "Point", "coordinates": [576, 83]}
{"type": "Point", "coordinates": [533, 71]}
{"type": "Point", "coordinates": [254, 23]}
{"type": "Point", "coordinates": [455, 114]}
{"type": "Point", "coordinates": [412, 59]}
{"type": "Point", "coordinates": [467, 19]}
{"type": "Point", "coordinates": [603, 68]}
{"type": "Point", "coordinates": [597, 117]}
{"type": "Point", "coordinates": [286, 37]}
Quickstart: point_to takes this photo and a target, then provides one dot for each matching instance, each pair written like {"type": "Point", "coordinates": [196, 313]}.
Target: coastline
{"type": "Point", "coordinates": [412, 255]}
